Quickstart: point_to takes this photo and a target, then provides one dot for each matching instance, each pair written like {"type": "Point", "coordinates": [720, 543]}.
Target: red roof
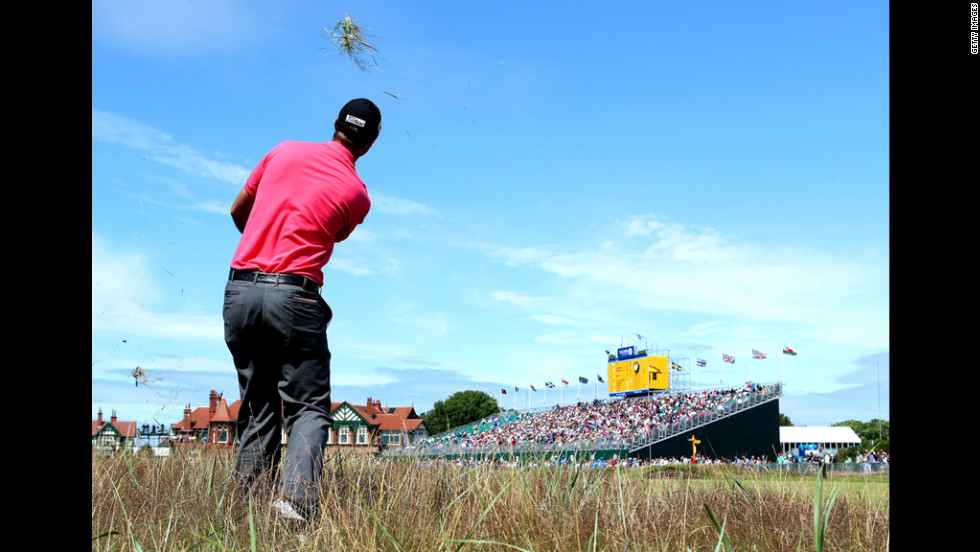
{"type": "Point", "coordinates": [396, 418]}
{"type": "Point", "coordinates": [223, 413]}
{"type": "Point", "coordinates": [125, 429]}
{"type": "Point", "coordinates": [200, 417]}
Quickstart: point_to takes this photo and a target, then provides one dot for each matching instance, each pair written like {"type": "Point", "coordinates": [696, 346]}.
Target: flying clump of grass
{"type": "Point", "coordinates": [349, 40]}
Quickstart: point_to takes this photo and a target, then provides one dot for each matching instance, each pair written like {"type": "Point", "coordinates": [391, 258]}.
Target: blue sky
{"type": "Point", "coordinates": [552, 179]}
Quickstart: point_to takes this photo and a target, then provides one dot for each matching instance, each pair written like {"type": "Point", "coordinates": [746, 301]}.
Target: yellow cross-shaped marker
{"type": "Point", "coordinates": [694, 446]}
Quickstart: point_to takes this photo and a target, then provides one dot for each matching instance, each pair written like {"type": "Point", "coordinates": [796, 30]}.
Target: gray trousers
{"type": "Point", "coordinates": [277, 335]}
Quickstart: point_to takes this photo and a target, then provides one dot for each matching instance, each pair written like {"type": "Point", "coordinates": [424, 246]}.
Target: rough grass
{"type": "Point", "coordinates": [191, 503]}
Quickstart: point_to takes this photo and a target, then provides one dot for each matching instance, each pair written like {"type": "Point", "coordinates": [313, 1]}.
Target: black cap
{"type": "Point", "coordinates": [362, 114]}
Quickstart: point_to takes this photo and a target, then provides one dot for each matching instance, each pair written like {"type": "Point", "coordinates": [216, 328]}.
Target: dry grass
{"type": "Point", "coordinates": [349, 40]}
{"type": "Point", "coordinates": [190, 503]}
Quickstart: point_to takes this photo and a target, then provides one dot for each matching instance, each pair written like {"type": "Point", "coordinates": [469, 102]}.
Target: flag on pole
{"type": "Point", "coordinates": [565, 382]}
{"type": "Point", "coordinates": [788, 351]}
{"type": "Point", "coordinates": [600, 378]}
{"type": "Point", "coordinates": [639, 337]}
{"type": "Point", "coordinates": [583, 380]}
{"type": "Point", "coordinates": [549, 385]}
{"type": "Point", "coordinates": [757, 354]}
{"type": "Point", "coordinates": [728, 358]}
{"type": "Point", "coordinates": [533, 389]}
{"type": "Point", "coordinates": [516, 389]}
{"type": "Point", "coordinates": [675, 366]}
{"type": "Point", "coordinates": [503, 391]}
{"type": "Point", "coordinates": [702, 362]}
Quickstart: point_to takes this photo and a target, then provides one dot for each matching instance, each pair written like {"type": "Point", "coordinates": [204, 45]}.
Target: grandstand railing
{"type": "Point", "coordinates": [766, 393]}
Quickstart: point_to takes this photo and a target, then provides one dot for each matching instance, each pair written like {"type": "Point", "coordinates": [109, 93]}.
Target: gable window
{"type": "Point", "coordinates": [344, 434]}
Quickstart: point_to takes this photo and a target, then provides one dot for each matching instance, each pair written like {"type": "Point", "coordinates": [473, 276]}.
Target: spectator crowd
{"type": "Point", "coordinates": [599, 420]}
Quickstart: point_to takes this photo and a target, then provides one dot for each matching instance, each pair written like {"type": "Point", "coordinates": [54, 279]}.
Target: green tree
{"type": "Point", "coordinates": [784, 420]}
{"type": "Point", "coordinates": [459, 408]}
{"type": "Point", "coordinates": [873, 433]}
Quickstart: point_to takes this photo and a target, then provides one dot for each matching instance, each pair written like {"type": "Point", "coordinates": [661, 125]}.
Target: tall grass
{"type": "Point", "coordinates": [191, 503]}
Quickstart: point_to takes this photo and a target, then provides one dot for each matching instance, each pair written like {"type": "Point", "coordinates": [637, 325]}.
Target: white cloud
{"type": "Point", "coordinates": [398, 206]}
{"type": "Point", "coordinates": [665, 266]}
{"type": "Point", "coordinates": [346, 265]}
{"type": "Point", "coordinates": [370, 349]}
{"type": "Point", "coordinates": [432, 324]}
{"type": "Point", "coordinates": [123, 295]}
{"type": "Point", "coordinates": [362, 235]}
{"type": "Point", "coordinates": [360, 378]}
{"type": "Point", "coordinates": [514, 298]}
{"type": "Point", "coordinates": [161, 147]}
{"type": "Point", "coordinates": [706, 328]}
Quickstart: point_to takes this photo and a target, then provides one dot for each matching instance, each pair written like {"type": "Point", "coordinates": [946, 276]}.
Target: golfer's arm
{"type": "Point", "coordinates": [241, 208]}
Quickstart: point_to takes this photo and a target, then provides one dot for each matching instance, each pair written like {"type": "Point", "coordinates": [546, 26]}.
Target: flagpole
{"type": "Point", "coordinates": [782, 361]}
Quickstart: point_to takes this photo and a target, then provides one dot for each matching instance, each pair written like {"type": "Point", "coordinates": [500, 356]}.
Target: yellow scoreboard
{"type": "Point", "coordinates": [634, 372]}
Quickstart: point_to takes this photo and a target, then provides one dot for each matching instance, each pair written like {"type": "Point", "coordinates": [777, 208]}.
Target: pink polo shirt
{"type": "Point", "coordinates": [307, 197]}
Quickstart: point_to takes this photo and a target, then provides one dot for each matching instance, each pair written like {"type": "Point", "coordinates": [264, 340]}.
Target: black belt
{"type": "Point", "coordinates": [267, 278]}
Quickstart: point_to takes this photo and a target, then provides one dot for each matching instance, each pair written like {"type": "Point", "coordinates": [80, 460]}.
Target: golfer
{"type": "Point", "coordinates": [299, 200]}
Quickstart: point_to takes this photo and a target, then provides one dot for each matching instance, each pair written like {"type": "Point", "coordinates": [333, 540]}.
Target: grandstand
{"type": "Point", "coordinates": [729, 422]}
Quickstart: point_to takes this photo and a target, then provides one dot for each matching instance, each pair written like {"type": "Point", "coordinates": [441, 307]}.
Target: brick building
{"type": "Point", "coordinates": [213, 424]}
{"type": "Point", "coordinates": [357, 429]}
{"type": "Point", "coordinates": [113, 435]}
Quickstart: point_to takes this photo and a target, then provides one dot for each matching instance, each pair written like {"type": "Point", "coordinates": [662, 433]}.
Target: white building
{"type": "Point", "coordinates": [812, 438]}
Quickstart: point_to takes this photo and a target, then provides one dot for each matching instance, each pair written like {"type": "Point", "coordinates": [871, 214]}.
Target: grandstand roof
{"type": "Point", "coordinates": [817, 434]}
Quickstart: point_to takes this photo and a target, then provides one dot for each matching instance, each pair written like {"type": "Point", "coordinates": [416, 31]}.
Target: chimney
{"type": "Point", "coordinates": [113, 418]}
{"type": "Point", "coordinates": [187, 416]}
{"type": "Point", "coordinates": [213, 402]}
{"type": "Point", "coordinates": [100, 416]}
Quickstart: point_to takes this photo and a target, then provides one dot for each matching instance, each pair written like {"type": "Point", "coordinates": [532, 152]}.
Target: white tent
{"type": "Point", "coordinates": [830, 439]}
